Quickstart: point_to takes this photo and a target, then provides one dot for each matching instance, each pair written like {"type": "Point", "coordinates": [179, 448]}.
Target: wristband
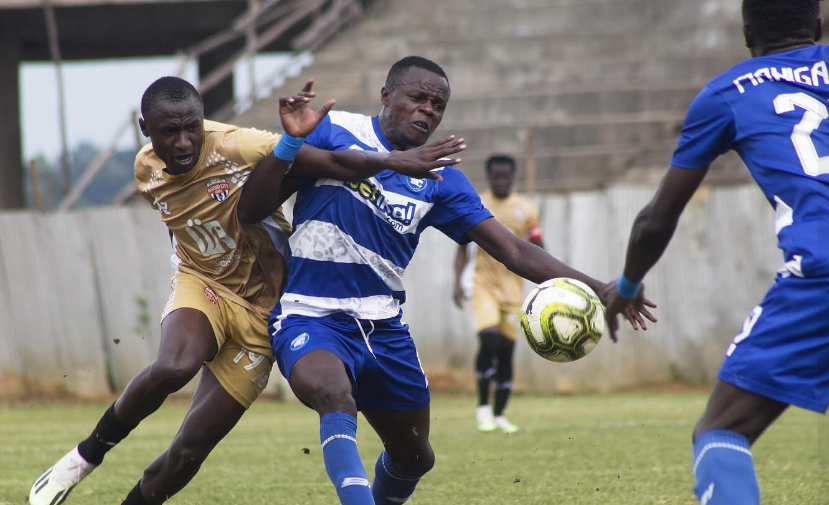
{"type": "Point", "coordinates": [627, 289]}
{"type": "Point", "coordinates": [288, 147]}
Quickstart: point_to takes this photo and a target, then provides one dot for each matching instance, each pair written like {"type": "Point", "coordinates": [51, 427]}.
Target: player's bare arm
{"type": "Point", "coordinates": [536, 265]}
{"type": "Point", "coordinates": [461, 259]}
{"type": "Point", "coordinates": [523, 258]}
{"type": "Point", "coordinates": [652, 231]}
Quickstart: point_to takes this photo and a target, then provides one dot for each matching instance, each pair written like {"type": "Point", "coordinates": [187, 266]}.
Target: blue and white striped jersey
{"type": "Point", "coordinates": [352, 241]}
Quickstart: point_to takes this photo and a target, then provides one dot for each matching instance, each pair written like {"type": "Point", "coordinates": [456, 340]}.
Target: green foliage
{"type": "Point", "coordinates": [596, 450]}
{"type": "Point", "coordinates": [143, 319]}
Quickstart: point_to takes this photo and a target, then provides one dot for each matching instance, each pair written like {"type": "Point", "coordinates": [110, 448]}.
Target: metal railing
{"type": "Point", "coordinates": [263, 23]}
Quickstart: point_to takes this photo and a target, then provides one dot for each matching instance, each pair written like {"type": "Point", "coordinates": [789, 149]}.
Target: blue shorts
{"type": "Point", "coordinates": [782, 350]}
{"type": "Point", "coordinates": [380, 356]}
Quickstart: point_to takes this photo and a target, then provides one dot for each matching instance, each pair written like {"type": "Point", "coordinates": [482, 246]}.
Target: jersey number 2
{"type": "Point", "coordinates": [802, 135]}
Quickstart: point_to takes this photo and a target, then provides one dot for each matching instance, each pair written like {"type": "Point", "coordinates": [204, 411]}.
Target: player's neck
{"type": "Point", "coordinates": [779, 48]}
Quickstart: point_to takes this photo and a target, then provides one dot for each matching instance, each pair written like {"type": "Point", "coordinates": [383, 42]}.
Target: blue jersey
{"type": "Point", "coordinates": [772, 110]}
{"type": "Point", "coordinates": [352, 241]}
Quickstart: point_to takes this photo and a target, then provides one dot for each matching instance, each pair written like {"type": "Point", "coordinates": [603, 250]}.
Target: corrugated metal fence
{"type": "Point", "coordinates": [80, 293]}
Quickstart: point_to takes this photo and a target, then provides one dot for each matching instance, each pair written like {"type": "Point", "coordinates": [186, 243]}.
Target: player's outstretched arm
{"type": "Point", "coordinates": [536, 265]}
{"type": "Point", "coordinates": [651, 233]}
{"type": "Point", "coordinates": [522, 257]}
{"type": "Point", "coordinates": [353, 164]}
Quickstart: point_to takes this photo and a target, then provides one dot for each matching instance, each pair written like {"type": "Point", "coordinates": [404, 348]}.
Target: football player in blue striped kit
{"type": "Point", "coordinates": [337, 333]}
{"type": "Point", "coordinates": [771, 109]}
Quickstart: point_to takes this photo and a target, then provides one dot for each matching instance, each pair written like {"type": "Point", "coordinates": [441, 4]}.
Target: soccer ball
{"type": "Point", "coordinates": [563, 320]}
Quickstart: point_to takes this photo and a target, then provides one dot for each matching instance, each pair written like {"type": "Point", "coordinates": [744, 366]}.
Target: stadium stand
{"type": "Point", "coordinates": [584, 92]}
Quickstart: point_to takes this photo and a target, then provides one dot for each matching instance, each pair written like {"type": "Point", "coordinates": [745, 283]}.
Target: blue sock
{"type": "Point", "coordinates": [724, 470]}
{"type": "Point", "coordinates": [338, 436]}
{"type": "Point", "coordinates": [390, 486]}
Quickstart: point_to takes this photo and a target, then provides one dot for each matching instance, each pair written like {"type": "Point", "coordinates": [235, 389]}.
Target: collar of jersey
{"type": "Point", "coordinates": [375, 121]}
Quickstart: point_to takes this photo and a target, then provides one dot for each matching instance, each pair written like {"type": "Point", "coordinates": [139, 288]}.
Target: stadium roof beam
{"type": "Point", "coordinates": [98, 29]}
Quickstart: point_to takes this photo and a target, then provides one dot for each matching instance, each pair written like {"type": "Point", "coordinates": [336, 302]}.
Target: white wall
{"type": "Point", "coordinates": [72, 284]}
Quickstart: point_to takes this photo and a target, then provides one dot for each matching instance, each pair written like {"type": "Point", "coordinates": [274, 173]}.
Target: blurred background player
{"type": "Point", "coordinates": [772, 110]}
{"type": "Point", "coordinates": [497, 293]}
{"type": "Point", "coordinates": [230, 270]}
{"type": "Point", "coordinates": [338, 336]}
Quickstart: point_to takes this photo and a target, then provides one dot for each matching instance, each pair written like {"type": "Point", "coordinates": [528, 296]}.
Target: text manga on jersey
{"type": "Point", "coordinates": [815, 75]}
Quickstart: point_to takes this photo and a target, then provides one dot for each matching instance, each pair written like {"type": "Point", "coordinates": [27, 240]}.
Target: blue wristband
{"type": "Point", "coordinates": [288, 147]}
{"type": "Point", "coordinates": [627, 289]}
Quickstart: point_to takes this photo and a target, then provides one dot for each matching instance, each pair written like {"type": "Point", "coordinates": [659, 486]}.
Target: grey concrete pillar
{"type": "Point", "coordinates": [11, 154]}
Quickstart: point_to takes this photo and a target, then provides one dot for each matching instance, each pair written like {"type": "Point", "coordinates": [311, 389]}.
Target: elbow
{"type": "Point", "coordinates": [650, 226]}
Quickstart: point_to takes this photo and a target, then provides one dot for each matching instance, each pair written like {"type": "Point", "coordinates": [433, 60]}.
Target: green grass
{"type": "Point", "coordinates": [618, 450]}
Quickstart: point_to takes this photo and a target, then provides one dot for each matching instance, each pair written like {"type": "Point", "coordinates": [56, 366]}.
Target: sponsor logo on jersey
{"type": "Point", "coordinates": [218, 189]}
{"type": "Point", "coordinates": [416, 185]}
{"type": "Point", "coordinates": [402, 214]}
{"type": "Point", "coordinates": [211, 296]}
{"type": "Point", "coordinates": [300, 341]}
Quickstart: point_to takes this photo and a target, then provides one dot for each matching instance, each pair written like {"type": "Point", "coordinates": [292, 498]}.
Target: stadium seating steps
{"type": "Point", "coordinates": [593, 91]}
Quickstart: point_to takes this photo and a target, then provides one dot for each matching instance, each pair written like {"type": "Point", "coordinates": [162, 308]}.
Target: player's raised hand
{"type": "Point", "coordinates": [420, 161]}
{"type": "Point", "coordinates": [635, 310]}
{"type": "Point", "coordinates": [297, 119]}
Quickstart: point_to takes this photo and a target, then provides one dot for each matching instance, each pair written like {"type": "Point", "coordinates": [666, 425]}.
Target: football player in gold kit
{"type": "Point", "coordinates": [203, 178]}
{"type": "Point", "coordinates": [497, 293]}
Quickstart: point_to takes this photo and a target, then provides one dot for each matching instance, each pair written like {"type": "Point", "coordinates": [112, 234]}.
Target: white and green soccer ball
{"type": "Point", "coordinates": [563, 320]}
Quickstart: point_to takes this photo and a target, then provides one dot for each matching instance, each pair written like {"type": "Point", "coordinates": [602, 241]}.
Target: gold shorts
{"type": "Point", "coordinates": [244, 361]}
{"type": "Point", "coordinates": [490, 313]}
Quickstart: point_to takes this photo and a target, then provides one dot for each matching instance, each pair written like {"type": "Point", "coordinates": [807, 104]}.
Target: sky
{"type": "Point", "coordinates": [100, 96]}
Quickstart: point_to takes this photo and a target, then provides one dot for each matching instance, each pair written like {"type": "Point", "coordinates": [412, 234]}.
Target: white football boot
{"type": "Point", "coordinates": [56, 483]}
{"type": "Point", "coordinates": [484, 416]}
{"type": "Point", "coordinates": [504, 425]}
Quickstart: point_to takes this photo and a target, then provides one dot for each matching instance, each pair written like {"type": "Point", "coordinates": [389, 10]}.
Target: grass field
{"type": "Point", "coordinates": [618, 450]}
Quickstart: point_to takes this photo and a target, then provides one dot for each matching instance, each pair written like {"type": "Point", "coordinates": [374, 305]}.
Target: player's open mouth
{"type": "Point", "coordinates": [183, 160]}
{"type": "Point", "coordinates": [420, 125]}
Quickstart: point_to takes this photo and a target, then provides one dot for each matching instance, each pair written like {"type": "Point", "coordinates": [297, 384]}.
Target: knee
{"type": "Point", "coordinates": [419, 462]}
{"type": "Point", "coordinates": [188, 457]}
{"type": "Point", "coordinates": [172, 376]}
{"type": "Point", "coordinates": [331, 397]}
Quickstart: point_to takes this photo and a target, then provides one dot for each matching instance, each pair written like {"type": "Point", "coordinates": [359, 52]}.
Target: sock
{"type": "Point", "coordinates": [502, 392]}
{"type": "Point", "coordinates": [338, 436]}
{"type": "Point", "coordinates": [724, 470]}
{"type": "Point", "coordinates": [484, 379]}
{"type": "Point", "coordinates": [104, 437]}
{"type": "Point", "coordinates": [135, 497]}
{"type": "Point", "coordinates": [390, 486]}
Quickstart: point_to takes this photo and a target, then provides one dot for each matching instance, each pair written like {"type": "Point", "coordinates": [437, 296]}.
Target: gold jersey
{"type": "Point", "coordinates": [243, 263]}
{"type": "Point", "coordinates": [519, 214]}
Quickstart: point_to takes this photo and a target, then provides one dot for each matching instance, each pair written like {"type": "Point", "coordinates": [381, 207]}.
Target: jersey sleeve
{"type": "Point", "coordinates": [457, 207]}
{"type": "Point", "coordinates": [255, 144]}
{"type": "Point", "coordinates": [321, 136]}
{"type": "Point", "coordinates": [709, 131]}
{"type": "Point", "coordinates": [143, 176]}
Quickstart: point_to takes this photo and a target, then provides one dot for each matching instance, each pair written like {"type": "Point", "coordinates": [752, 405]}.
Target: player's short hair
{"type": "Point", "coordinates": [780, 20]}
{"type": "Point", "coordinates": [399, 69]}
{"type": "Point", "coordinates": [499, 158]}
{"type": "Point", "coordinates": [171, 89]}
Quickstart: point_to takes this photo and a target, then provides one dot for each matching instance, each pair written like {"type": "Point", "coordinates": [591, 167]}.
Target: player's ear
{"type": "Point", "coordinates": [143, 126]}
{"type": "Point", "coordinates": [384, 96]}
{"type": "Point", "coordinates": [748, 36]}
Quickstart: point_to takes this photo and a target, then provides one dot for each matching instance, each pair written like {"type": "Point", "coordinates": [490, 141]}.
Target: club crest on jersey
{"type": "Point", "coordinates": [218, 189]}
{"type": "Point", "coordinates": [416, 185]}
{"type": "Point", "coordinates": [300, 341]}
